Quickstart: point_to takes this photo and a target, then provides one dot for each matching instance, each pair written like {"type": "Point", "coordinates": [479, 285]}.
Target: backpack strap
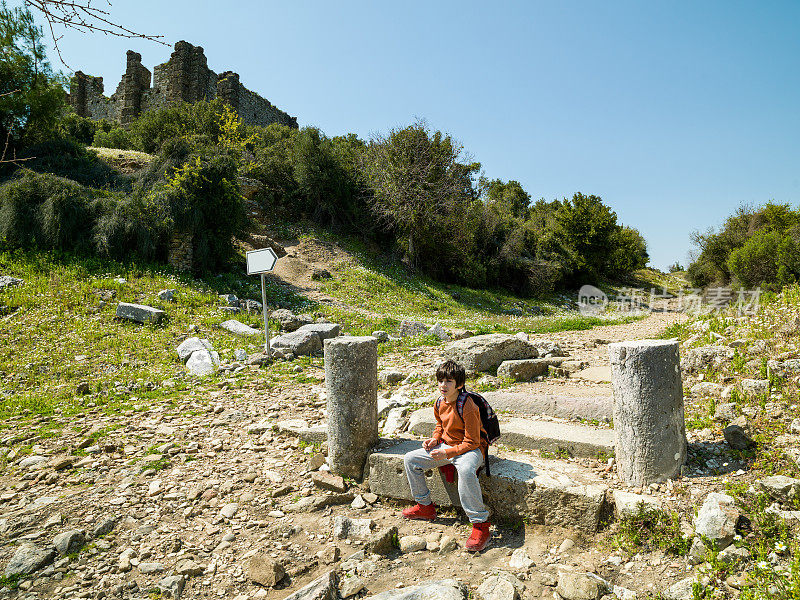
{"type": "Point", "coordinates": [462, 399]}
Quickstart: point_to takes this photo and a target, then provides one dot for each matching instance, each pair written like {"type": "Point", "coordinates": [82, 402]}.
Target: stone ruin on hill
{"type": "Point", "coordinates": [185, 77]}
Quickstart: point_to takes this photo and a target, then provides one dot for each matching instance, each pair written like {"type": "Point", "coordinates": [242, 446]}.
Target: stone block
{"type": "Point", "coordinates": [524, 370]}
{"type": "Point", "coordinates": [781, 488]}
{"type": "Point", "coordinates": [140, 313]}
{"type": "Point", "coordinates": [299, 343]}
{"type": "Point", "coordinates": [316, 434]}
{"type": "Point", "coordinates": [520, 487]}
{"type": "Point", "coordinates": [598, 407]}
{"type": "Point", "coordinates": [754, 387]}
{"type": "Point", "coordinates": [323, 330]}
{"type": "Point", "coordinates": [485, 352]}
{"type": "Point", "coordinates": [627, 504]}
{"type": "Point", "coordinates": [698, 359]}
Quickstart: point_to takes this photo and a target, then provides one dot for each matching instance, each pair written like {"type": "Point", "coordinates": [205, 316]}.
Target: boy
{"type": "Point", "coordinates": [455, 441]}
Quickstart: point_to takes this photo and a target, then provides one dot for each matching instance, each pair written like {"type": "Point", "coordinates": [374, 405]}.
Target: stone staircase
{"type": "Point", "coordinates": [523, 486]}
{"type": "Point", "coordinates": [556, 437]}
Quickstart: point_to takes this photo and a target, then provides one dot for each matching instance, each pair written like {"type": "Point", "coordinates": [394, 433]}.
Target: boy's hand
{"type": "Point", "coordinates": [438, 454]}
{"type": "Point", "coordinates": [428, 444]}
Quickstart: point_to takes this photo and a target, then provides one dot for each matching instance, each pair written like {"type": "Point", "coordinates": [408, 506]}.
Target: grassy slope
{"type": "Point", "coordinates": [60, 332]}
{"type": "Point", "coordinates": [378, 286]}
{"type": "Point", "coordinates": [61, 329]}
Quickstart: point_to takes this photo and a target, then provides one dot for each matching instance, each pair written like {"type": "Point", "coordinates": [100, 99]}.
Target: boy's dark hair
{"type": "Point", "coordinates": [451, 370]}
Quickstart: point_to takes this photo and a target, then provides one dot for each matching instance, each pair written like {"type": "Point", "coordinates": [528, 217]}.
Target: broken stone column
{"type": "Point", "coordinates": [648, 410]}
{"type": "Point", "coordinates": [351, 376]}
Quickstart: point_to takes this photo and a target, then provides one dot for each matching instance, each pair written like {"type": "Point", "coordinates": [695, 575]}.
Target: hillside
{"type": "Point", "coordinates": [196, 473]}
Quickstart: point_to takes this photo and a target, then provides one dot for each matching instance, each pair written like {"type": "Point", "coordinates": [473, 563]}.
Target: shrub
{"type": "Point", "coordinates": [126, 227]}
{"type": "Point", "coordinates": [114, 138]}
{"type": "Point", "coordinates": [77, 128]}
{"type": "Point", "coordinates": [149, 132]}
{"type": "Point", "coordinates": [45, 211]}
{"type": "Point", "coordinates": [628, 252]}
{"type": "Point", "coordinates": [768, 259]}
{"type": "Point", "coordinates": [200, 197]}
{"type": "Point", "coordinates": [651, 528]}
{"type": "Point", "coordinates": [756, 246]}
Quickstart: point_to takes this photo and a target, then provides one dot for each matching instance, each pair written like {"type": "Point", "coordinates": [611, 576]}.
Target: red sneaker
{"type": "Point", "coordinates": [422, 512]}
{"type": "Point", "coordinates": [479, 537]}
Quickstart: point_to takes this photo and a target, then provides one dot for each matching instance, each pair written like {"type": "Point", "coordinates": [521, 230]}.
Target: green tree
{"type": "Point", "coordinates": [31, 96]}
{"type": "Point", "coordinates": [509, 198]}
{"type": "Point", "coordinates": [588, 226]}
{"type": "Point", "coordinates": [755, 246]}
{"type": "Point", "coordinates": [272, 167]}
{"type": "Point", "coordinates": [422, 189]}
{"type": "Point", "coordinates": [628, 252]}
{"type": "Point", "coordinates": [675, 267]}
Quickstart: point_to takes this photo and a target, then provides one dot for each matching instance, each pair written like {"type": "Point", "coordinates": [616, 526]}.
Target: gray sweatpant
{"type": "Point", "coordinates": [469, 489]}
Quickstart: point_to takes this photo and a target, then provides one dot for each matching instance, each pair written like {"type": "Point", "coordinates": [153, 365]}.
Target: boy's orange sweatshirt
{"type": "Point", "coordinates": [463, 435]}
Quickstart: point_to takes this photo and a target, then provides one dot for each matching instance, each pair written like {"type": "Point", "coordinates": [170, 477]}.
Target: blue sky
{"type": "Point", "coordinates": [673, 112]}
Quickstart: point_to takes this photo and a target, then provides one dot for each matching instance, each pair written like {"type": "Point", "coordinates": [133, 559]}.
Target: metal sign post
{"type": "Point", "coordinates": [260, 262]}
{"type": "Point", "coordinates": [266, 314]}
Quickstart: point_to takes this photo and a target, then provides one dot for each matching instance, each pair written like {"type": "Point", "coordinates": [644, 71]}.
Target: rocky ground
{"type": "Point", "coordinates": [209, 497]}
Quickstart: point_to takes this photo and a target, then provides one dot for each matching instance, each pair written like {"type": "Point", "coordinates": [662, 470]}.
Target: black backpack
{"type": "Point", "coordinates": [491, 426]}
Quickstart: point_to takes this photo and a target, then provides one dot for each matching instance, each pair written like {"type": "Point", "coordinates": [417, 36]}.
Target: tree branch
{"type": "Point", "coordinates": [81, 16]}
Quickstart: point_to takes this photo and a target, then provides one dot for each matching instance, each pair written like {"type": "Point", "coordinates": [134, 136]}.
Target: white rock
{"type": "Point", "coordinates": [238, 328]}
{"type": "Point", "coordinates": [351, 585]}
{"type": "Point", "coordinates": [520, 561]}
{"type": "Point", "coordinates": [412, 543]}
{"type": "Point", "coordinates": [681, 590]}
{"type": "Point", "coordinates": [497, 588]}
{"type": "Point", "coordinates": [32, 461]}
{"type": "Point", "coordinates": [154, 488]}
{"type": "Point", "coordinates": [203, 362]}
{"type": "Point", "coordinates": [439, 332]}
{"type": "Point", "coordinates": [716, 519]}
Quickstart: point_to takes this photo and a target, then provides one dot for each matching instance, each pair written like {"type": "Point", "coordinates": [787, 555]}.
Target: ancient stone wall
{"type": "Point", "coordinates": [185, 77]}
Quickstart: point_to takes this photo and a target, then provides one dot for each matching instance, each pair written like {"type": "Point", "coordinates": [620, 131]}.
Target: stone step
{"type": "Point", "coordinates": [522, 487]}
{"type": "Point", "coordinates": [532, 434]}
{"type": "Point", "coordinates": [600, 374]}
{"type": "Point", "coordinates": [600, 407]}
{"type": "Point", "coordinates": [315, 434]}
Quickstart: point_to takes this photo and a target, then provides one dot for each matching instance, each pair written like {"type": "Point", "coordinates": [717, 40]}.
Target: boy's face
{"type": "Point", "coordinates": [448, 389]}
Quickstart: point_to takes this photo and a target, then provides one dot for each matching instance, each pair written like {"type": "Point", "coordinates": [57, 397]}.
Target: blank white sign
{"type": "Point", "coordinates": [261, 261]}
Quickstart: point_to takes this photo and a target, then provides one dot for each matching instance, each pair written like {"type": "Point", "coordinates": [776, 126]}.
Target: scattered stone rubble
{"type": "Point", "coordinates": [220, 496]}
